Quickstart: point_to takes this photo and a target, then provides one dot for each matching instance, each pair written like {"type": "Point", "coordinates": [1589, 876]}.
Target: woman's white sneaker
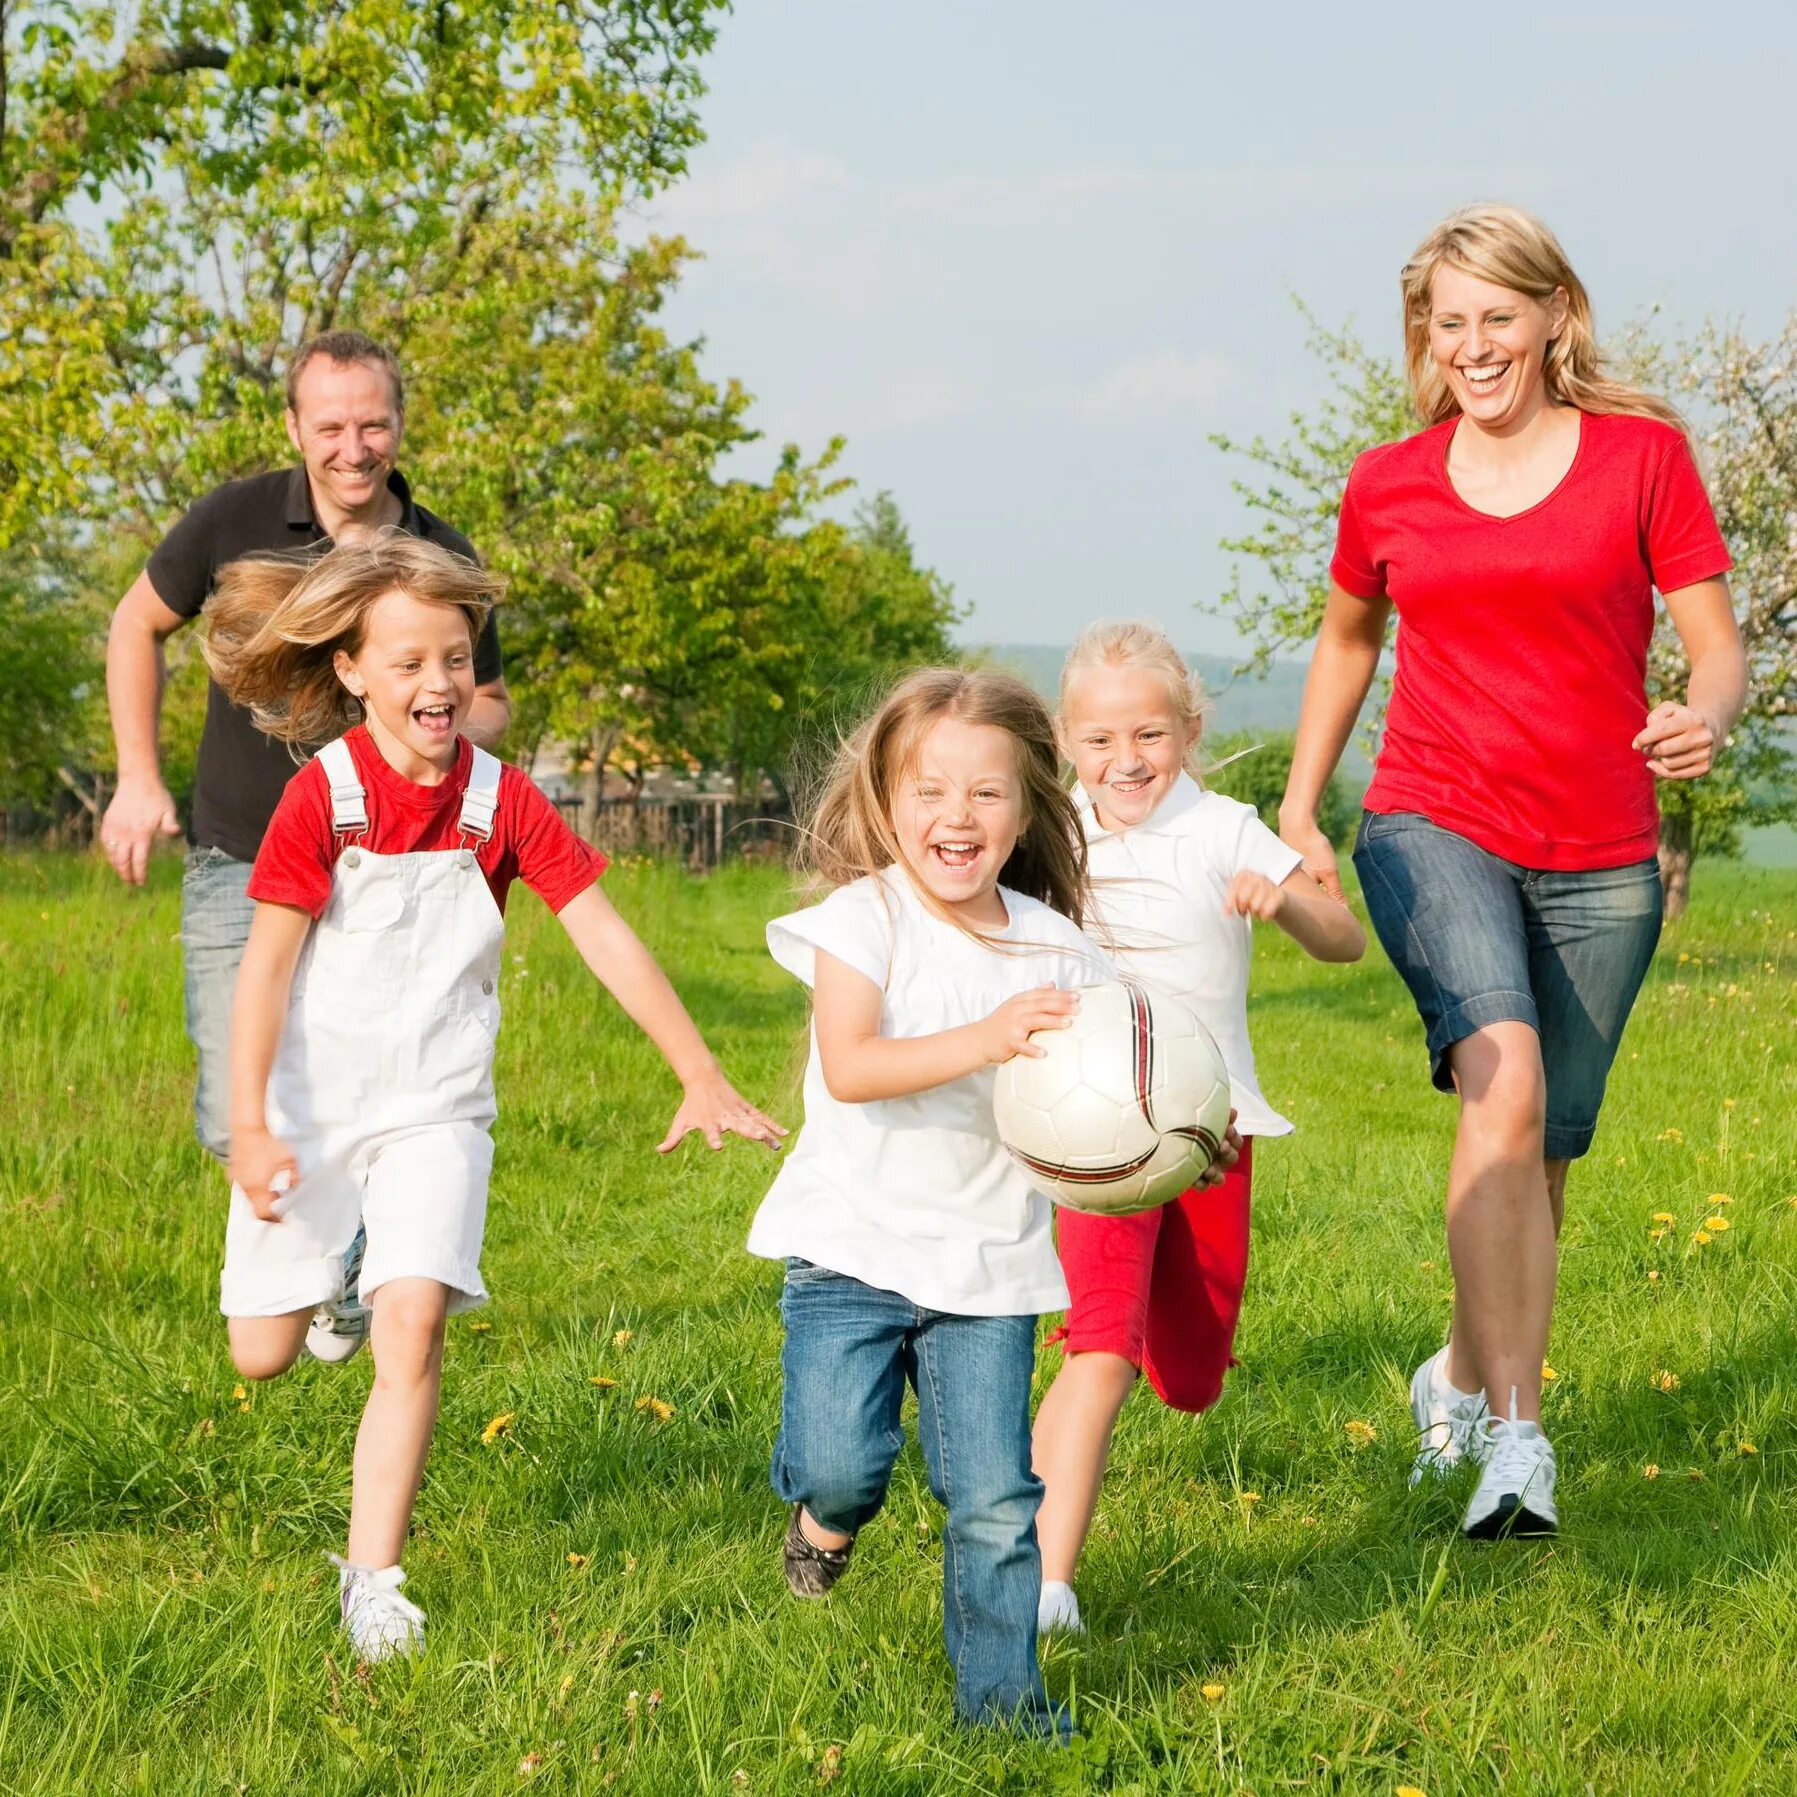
{"type": "Point", "coordinates": [1515, 1494]}
{"type": "Point", "coordinates": [1449, 1422]}
{"type": "Point", "coordinates": [379, 1622]}
{"type": "Point", "coordinates": [1057, 1610]}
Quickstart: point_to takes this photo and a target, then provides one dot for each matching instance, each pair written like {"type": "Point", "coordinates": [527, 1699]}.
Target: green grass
{"type": "Point", "coordinates": [167, 1619]}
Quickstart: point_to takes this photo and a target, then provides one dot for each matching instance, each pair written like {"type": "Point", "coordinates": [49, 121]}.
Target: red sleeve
{"type": "Point", "coordinates": [544, 853]}
{"type": "Point", "coordinates": [295, 862]}
{"type": "Point", "coordinates": [1683, 544]}
{"type": "Point", "coordinates": [1352, 568]}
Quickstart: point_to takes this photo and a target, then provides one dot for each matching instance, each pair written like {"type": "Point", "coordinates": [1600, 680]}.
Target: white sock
{"type": "Point", "coordinates": [1057, 1610]}
{"type": "Point", "coordinates": [1449, 1389]}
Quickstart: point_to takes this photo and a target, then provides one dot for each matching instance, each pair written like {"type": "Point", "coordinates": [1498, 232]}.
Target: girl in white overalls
{"type": "Point", "coordinates": [367, 1005]}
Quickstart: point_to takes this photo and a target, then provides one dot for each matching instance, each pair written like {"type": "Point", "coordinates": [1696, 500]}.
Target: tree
{"type": "Point", "coordinates": [47, 679]}
{"type": "Point", "coordinates": [1259, 778]}
{"type": "Point", "coordinates": [1742, 401]}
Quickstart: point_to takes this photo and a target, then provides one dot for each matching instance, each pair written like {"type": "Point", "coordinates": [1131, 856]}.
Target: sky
{"type": "Point", "coordinates": [1027, 257]}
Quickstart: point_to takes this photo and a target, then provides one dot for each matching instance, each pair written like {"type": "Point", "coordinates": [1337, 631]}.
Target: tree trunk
{"type": "Point", "coordinates": [592, 782]}
{"type": "Point", "coordinates": [1675, 864]}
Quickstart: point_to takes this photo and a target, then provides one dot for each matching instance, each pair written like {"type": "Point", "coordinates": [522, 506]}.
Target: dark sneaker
{"type": "Point", "coordinates": [811, 1571]}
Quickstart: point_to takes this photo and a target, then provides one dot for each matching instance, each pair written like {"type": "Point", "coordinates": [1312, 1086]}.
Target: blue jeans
{"type": "Point", "coordinates": [1480, 940]}
{"type": "Point", "coordinates": [849, 1350]}
{"type": "Point", "coordinates": [215, 924]}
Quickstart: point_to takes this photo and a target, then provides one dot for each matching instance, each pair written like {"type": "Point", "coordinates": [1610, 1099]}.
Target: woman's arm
{"type": "Point", "coordinates": [1341, 672]}
{"type": "Point", "coordinates": [612, 949]}
{"type": "Point", "coordinates": [860, 1065]}
{"type": "Point", "coordinates": [1680, 741]}
{"type": "Point", "coordinates": [258, 1010]}
{"type": "Point", "coordinates": [1322, 926]}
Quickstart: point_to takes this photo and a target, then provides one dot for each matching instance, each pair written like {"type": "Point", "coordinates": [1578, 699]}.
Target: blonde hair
{"type": "Point", "coordinates": [1140, 645]}
{"type": "Point", "coordinates": [275, 624]}
{"type": "Point", "coordinates": [1513, 248]}
{"type": "Point", "coordinates": [851, 833]}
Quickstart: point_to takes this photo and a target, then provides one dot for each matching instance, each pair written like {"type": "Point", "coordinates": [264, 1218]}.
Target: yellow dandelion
{"type": "Point", "coordinates": [238, 1393]}
{"type": "Point", "coordinates": [1426, 1266]}
{"type": "Point", "coordinates": [1663, 1216]}
{"type": "Point", "coordinates": [1716, 1198]}
{"type": "Point", "coordinates": [1664, 1381]}
{"type": "Point", "coordinates": [1701, 1237]}
{"type": "Point", "coordinates": [601, 1383]}
{"type": "Point", "coordinates": [480, 1328]}
{"type": "Point", "coordinates": [655, 1407]}
{"type": "Point", "coordinates": [1408, 1791]}
{"type": "Point", "coordinates": [1361, 1434]}
{"type": "Point", "coordinates": [577, 1561]}
{"type": "Point", "coordinates": [1548, 1375]}
{"type": "Point", "coordinates": [1212, 1693]}
{"type": "Point", "coordinates": [1716, 1225]}
{"type": "Point", "coordinates": [497, 1427]}
{"type": "Point", "coordinates": [1728, 1104]}
{"type": "Point", "coordinates": [1683, 958]}
{"type": "Point", "coordinates": [1650, 1471]}
{"type": "Point", "coordinates": [1658, 1235]}
{"type": "Point", "coordinates": [1248, 1499]}
{"type": "Point", "coordinates": [1746, 1449]}
{"type": "Point", "coordinates": [621, 1339]}
{"type": "Point", "coordinates": [1653, 1279]}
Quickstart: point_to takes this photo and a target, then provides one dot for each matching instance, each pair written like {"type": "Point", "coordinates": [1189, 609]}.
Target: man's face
{"type": "Point", "coordinates": [346, 426]}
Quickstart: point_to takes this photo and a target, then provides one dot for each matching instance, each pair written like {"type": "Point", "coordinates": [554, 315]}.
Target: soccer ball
{"type": "Point", "coordinates": [1125, 1110]}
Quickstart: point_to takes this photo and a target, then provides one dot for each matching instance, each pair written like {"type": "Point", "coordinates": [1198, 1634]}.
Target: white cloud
{"type": "Point", "coordinates": [770, 179]}
{"type": "Point", "coordinates": [1163, 384]}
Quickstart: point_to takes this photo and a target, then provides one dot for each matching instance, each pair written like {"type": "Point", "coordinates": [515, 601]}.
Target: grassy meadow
{"type": "Point", "coordinates": [1271, 1609]}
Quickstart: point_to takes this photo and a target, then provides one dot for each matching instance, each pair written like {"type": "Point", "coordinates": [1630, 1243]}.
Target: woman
{"type": "Point", "coordinates": [1507, 854]}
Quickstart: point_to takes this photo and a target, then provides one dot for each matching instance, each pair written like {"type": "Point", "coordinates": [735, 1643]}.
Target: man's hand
{"type": "Point", "coordinates": [141, 810]}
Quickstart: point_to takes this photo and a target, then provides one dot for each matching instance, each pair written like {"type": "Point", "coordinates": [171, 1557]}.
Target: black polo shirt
{"type": "Point", "coordinates": [242, 773]}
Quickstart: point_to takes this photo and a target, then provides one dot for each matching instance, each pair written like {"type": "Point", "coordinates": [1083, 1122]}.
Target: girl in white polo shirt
{"type": "Point", "coordinates": [1177, 873]}
{"type": "Point", "coordinates": [915, 1249]}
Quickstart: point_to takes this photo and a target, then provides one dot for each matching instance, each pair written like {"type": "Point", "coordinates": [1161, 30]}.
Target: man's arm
{"type": "Point", "coordinates": [490, 716]}
{"type": "Point", "coordinates": [141, 809]}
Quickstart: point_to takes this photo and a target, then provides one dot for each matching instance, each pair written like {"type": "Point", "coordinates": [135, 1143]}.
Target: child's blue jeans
{"type": "Point", "coordinates": [849, 1350]}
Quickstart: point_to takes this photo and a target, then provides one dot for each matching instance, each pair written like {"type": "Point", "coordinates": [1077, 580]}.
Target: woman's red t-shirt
{"type": "Point", "coordinates": [530, 842]}
{"type": "Point", "coordinates": [1522, 642]}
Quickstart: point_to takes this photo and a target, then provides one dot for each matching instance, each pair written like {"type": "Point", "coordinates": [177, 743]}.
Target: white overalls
{"type": "Point", "coordinates": [383, 1082]}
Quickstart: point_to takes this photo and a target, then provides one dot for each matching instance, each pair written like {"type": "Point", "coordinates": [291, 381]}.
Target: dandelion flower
{"type": "Point", "coordinates": [621, 1339]}
{"type": "Point", "coordinates": [1548, 1375]}
{"type": "Point", "coordinates": [1249, 1498]}
{"type": "Point", "coordinates": [1716, 1198]}
{"type": "Point", "coordinates": [1653, 1278]}
{"type": "Point", "coordinates": [238, 1394]}
{"type": "Point", "coordinates": [497, 1427]}
{"type": "Point", "coordinates": [480, 1328]}
{"type": "Point", "coordinates": [1650, 1471]}
{"type": "Point", "coordinates": [1657, 1235]}
{"type": "Point", "coordinates": [1664, 1216]}
{"type": "Point", "coordinates": [1715, 1225]}
{"type": "Point", "coordinates": [1746, 1449]}
{"type": "Point", "coordinates": [1361, 1434]}
{"type": "Point", "coordinates": [1665, 1381]}
{"type": "Point", "coordinates": [577, 1561]}
{"type": "Point", "coordinates": [1212, 1693]}
{"type": "Point", "coordinates": [1701, 1237]}
{"type": "Point", "coordinates": [655, 1407]}
{"type": "Point", "coordinates": [1408, 1791]}
{"type": "Point", "coordinates": [602, 1383]}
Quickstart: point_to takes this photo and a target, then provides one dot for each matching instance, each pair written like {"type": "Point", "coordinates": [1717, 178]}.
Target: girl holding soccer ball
{"type": "Point", "coordinates": [1178, 874]}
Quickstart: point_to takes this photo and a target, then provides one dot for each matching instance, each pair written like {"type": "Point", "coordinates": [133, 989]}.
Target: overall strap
{"type": "Point", "coordinates": [481, 801]}
{"type": "Point", "coordinates": [349, 803]}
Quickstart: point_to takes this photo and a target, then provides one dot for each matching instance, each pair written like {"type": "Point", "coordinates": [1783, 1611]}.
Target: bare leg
{"type": "Point", "coordinates": [395, 1436]}
{"type": "Point", "coordinates": [265, 1347]}
{"type": "Point", "coordinates": [1071, 1444]}
{"type": "Point", "coordinates": [815, 1532]}
{"type": "Point", "coordinates": [1501, 1220]}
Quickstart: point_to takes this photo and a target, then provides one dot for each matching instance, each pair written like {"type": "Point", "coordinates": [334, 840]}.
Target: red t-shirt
{"type": "Point", "coordinates": [529, 841]}
{"type": "Point", "coordinates": [1522, 642]}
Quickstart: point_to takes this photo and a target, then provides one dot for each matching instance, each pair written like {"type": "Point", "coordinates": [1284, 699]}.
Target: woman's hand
{"type": "Point", "coordinates": [1007, 1031]}
{"type": "Point", "coordinates": [264, 1167]}
{"type": "Point", "coordinates": [714, 1107]}
{"type": "Point", "coordinates": [1679, 743]}
{"type": "Point", "coordinates": [1304, 835]}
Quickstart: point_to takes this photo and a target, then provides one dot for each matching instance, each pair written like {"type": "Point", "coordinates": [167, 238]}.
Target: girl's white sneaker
{"type": "Point", "coordinates": [1449, 1422]}
{"type": "Point", "coordinates": [379, 1622]}
{"type": "Point", "coordinates": [1057, 1610]}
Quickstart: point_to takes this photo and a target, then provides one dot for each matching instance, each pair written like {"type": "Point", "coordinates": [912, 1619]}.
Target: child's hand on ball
{"type": "Point", "coordinates": [264, 1167]}
{"type": "Point", "coordinates": [1007, 1031]}
{"type": "Point", "coordinates": [1253, 895]}
{"type": "Point", "coordinates": [1226, 1157]}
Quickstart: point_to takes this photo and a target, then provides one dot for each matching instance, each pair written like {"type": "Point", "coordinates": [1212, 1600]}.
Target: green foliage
{"type": "Point", "coordinates": [1259, 778]}
{"type": "Point", "coordinates": [48, 677]}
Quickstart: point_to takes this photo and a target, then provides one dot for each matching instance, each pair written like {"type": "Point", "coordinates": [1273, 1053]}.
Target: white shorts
{"type": "Point", "coordinates": [420, 1193]}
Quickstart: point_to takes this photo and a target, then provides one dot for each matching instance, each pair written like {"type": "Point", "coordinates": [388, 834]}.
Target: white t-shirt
{"type": "Point", "coordinates": [1157, 895]}
{"type": "Point", "coordinates": [916, 1195]}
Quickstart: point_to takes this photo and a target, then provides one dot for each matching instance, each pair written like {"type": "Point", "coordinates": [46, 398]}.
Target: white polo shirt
{"type": "Point", "coordinates": [1157, 891]}
{"type": "Point", "coordinates": [916, 1195]}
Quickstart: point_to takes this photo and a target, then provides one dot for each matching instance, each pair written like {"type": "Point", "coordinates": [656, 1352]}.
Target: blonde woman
{"type": "Point", "coordinates": [1507, 854]}
{"type": "Point", "coordinates": [363, 1030]}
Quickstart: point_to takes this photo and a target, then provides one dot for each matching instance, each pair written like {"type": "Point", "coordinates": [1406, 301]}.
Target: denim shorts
{"type": "Point", "coordinates": [1480, 940]}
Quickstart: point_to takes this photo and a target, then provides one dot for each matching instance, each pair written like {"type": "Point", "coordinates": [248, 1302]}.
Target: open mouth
{"type": "Point", "coordinates": [435, 720]}
{"type": "Point", "coordinates": [1485, 380]}
{"type": "Point", "coordinates": [1125, 789]}
{"type": "Point", "coordinates": [956, 856]}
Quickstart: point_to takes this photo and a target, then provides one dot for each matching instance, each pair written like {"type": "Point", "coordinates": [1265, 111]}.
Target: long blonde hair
{"type": "Point", "coordinates": [1513, 248]}
{"type": "Point", "coordinates": [851, 833]}
{"type": "Point", "coordinates": [1141, 645]}
{"type": "Point", "coordinates": [276, 622]}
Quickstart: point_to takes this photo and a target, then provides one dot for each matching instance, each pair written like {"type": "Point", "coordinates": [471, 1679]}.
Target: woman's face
{"type": "Point", "coordinates": [1490, 344]}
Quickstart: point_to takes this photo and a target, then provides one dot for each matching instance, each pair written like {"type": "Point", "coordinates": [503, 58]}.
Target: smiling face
{"type": "Point", "coordinates": [1490, 345]}
{"type": "Point", "coordinates": [346, 423]}
{"type": "Point", "coordinates": [414, 674]}
{"type": "Point", "coordinates": [957, 812]}
{"type": "Point", "coordinates": [1127, 739]}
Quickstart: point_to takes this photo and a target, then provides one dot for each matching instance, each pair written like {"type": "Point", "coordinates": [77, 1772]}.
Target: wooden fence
{"type": "Point", "coordinates": [702, 830]}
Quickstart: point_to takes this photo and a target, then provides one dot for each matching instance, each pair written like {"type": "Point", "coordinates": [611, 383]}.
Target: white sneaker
{"type": "Point", "coordinates": [1448, 1421]}
{"type": "Point", "coordinates": [1515, 1495]}
{"type": "Point", "coordinates": [1057, 1610]}
{"type": "Point", "coordinates": [338, 1329]}
{"type": "Point", "coordinates": [379, 1622]}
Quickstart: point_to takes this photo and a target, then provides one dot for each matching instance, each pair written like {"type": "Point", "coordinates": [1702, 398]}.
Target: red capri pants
{"type": "Point", "coordinates": [1163, 1289]}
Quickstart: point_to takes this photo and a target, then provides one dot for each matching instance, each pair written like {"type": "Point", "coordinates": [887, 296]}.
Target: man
{"type": "Point", "coordinates": [345, 416]}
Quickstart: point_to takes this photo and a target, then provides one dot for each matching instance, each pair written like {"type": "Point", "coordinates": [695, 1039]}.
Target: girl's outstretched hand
{"type": "Point", "coordinates": [714, 1108]}
{"type": "Point", "coordinates": [264, 1167]}
{"type": "Point", "coordinates": [1007, 1031]}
